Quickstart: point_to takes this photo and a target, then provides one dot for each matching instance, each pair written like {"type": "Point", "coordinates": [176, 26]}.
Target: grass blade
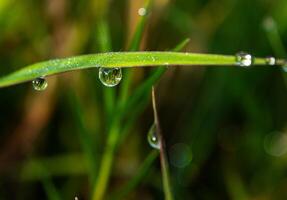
{"type": "Point", "coordinates": [137, 178]}
{"type": "Point", "coordinates": [163, 157]}
{"type": "Point", "coordinates": [118, 59]}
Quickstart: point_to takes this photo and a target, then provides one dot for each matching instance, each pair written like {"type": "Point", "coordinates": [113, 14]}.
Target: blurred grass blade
{"type": "Point", "coordinates": [135, 181]}
{"type": "Point", "coordinates": [274, 38]}
{"type": "Point", "coordinates": [48, 185]}
{"type": "Point", "coordinates": [135, 43]}
{"type": "Point", "coordinates": [134, 46]}
{"type": "Point", "coordinates": [275, 41]}
{"type": "Point", "coordinates": [116, 59]}
{"type": "Point", "coordinates": [86, 141]}
{"type": "Point", "coordinates": [103, 36]}
{"type": "Point", "coordinates": [61, 165]}
{"type": "Point", "coordinates": [50, 189]}
{"type": "Point", "coordinates": [105, 45]}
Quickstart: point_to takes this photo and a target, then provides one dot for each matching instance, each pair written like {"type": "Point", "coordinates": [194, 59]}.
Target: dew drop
{"type": "Point", "coordinates": [270, 60]}
{"type": "Point", "coordinates": [152, 137]}
{"type": "Point", "coordinates": [110, 77]}
{"type": "Point", "coordinates": [40, 84]}
{"type": "Point", "coordinates": [243, 59]}
{"type": "Point", "coordinates": [142, 12]}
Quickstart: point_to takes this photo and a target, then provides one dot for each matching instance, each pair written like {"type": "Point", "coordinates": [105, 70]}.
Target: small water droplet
{"type": "Point", "coordinates": [243, 59]}
{"type": "Point", "coordinates": [270, 60]}
{"type": "Point", "coordinates": [110, 77]}
{"type": "Point", "coordinates": [152, 137]}
{"type": "Point", "coordinates": [142, 12]}
{"type": "Point", "coordinates": [76, 198]}
{"type": "Point", "coordinates": [40, 84]}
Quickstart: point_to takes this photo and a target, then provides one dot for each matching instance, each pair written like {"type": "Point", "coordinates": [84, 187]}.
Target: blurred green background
{"type": "Point", "coordinates": [225, 127]}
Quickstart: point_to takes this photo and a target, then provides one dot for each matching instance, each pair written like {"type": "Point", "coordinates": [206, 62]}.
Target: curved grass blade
{"type": "Point", "coordinates": [118, 59]}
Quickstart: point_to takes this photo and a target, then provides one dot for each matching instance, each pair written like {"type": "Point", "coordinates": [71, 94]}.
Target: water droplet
{"type": "Point", "coordinates": [76, 198]}
{"type": "Point", "coordinates": [40, 84]}
{"type": "Point", "coordinates": [110, 77]}
{"type": "Point", "coordinates": [243, 59]}
{"type": "Point", "coordinates": [152, 137]}
{"type": "Point", "coordinates": [142, 12]}
{"type": "Point", "coordinates": [270, 60]}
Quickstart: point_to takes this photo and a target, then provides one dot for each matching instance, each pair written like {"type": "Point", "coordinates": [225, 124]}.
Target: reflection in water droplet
{"type": "Point", "coordinates": [40, 84]}
{"type": "Point", "coordinates": [243, 59]}
{"type": "Point", "coordinates": [275, 144]}
{"type": "Point", "coordinates": [180, 155]}
{"type": "Point", "coordinates": [270, 60]}
{"type": "Point", "coordinates": [142, 12]}
{"type": "Point", "coordinates": [152, 138]}
{"type": "Point", "coordinates": [110, 77]}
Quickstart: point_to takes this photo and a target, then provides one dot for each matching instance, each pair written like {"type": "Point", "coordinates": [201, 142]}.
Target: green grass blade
{"type": "Point", "coordinates": [104, 38]}
{"type": "Point", "coordinates": [134, 46]}
{"type": "Point", "coordinates": [134, 182]}
{"type": "Point", "coordinates": [48, 185]}
{"type": "Point", "coordinates": [167, 188]}
{"type": "Point", "coordinates": [60, 166]}
{"type": "Point", "coordinates": [274, 38]}
{"type": "Point", "coordinates": [85, 138]}
{"type": "Point", "coordinates": [135, 43]}
{"type": "Point", "coordinates": [118, 59]}
{"type": "Point", "coordinates": [50, 189]}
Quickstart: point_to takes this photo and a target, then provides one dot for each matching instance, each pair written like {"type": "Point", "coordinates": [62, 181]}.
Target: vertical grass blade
{"type": "Point", "coordinates": [163, 157]}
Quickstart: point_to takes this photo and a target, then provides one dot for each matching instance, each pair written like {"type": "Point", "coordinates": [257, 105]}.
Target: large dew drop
{"type": "Point", "coordinates": [244, 59]}
{"type": "Point", "coordinates": [152, 138]}
{"type": "Point", "coordinates": [110, 77]}
{"type": "Point", "coordinates": [40, 84]}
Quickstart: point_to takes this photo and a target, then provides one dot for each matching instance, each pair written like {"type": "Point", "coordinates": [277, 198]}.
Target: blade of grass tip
{"type": "Point", "coordinates": [134, 46]}
{"type": "Point", "coordinates": [140, 98]}
{"type": "Point", "coordinates": [85, 137]}
{"type": "Point", "coordinates": [135, 181]}
{"type": "Point", "coordinates": [121, 60]}
{"type": "Point", "coordinates": [163, 157]}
